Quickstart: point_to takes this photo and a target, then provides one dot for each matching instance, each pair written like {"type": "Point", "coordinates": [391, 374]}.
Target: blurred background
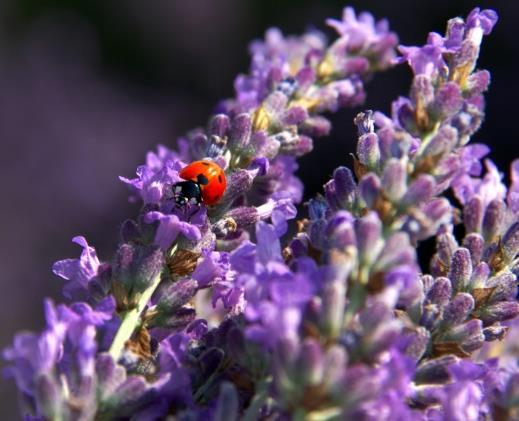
{"type": "Point", "coordinates": [88, 86]}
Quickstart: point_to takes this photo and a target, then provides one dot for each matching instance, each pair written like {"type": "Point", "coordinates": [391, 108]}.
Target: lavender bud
{"type": "Point", "coordinates": [435, 371]}
{"type": "Point", "coordinates": [461, 269]}
{"type": "Point", "coordinates": [176, 295]}
{"type": "Point", "coordinates": [304, 145]}
{"type": "Point", "coordinates": [317, 234]}
{"type": "Point", "coordinates": [446, 245]}
{"type": "Point", "coordinates": [443, 142]}
{"type": "Point", "coordinates": [199, 144]}
{"type": "Point", "coordinates": [108, 374]}
{"type": "Point", "coordinates": [310, 364]}
{"type": "Point", "coordinates": [317, 209]}
{"type": "Point", "coordinates": [459, 309]}
{"type": "Point", "coordinates": [345, 187]}
{"type": "Point", "coordinates": [419, 191]}
{"type": "Point", "coordinates": [397, 251]}
{"type": "Point", "coordinates": [369, 189]}
{"type": "Point", "coordinates": [493, 219]}
{"type": "Point", "coordinates": [448, 100]}
{"type": "Point", "coordinates": [367, 232]}
{"type": "Point", "coordinates": [499, 312]}
{"type": "Point", "coordinates": [241, 128]}
{"type": "Point", "coordinates": [335, 360]}
{"type": "Point", "coordinates": [299, 245]}
{"type": "Point", "coordinates": [173, 321]}
{"type": "Point", "coordinates": [394, 179]}
{"type": "Point", "coordinates": [124, 260]}
{"type": "Point", "coordinates": [418, 341]}
{"type": "Point", "coordinates": [475, 244]}
{"type": "Point", "coordinates": [265, 146]}
{"type": "Point", "coordinates": [227, 405]}
{"type": "Point", "coordinates": [511, 242]}
{"type": "Point", "coordinates": [473, 214]}
{"type": "Point", "coordinates": [219, 125]}
{"type": "Point", "coordinates": [128, 392]}
{"type": "Point", "coordinates": [332, 313]}
{"type": "Point", "coordinates": [340, 230]}
{"type": "Point", "coordinates": [239, 182]}
{"type": "Point", "coordinates": [479, 276]}
{"type": "Point", "coordinates": [130, 232]}
{"type": "Point", "coordinates": [469, 335]}
{"type": "Point", "coordinates": [467, 121]}
{"type": "Point", "coordinates": [136, 266]}
{"type": "Point", "coordinates": [149, 263]}
{"type": "Point", "coordinates": [440, 292]}
{"type": "Point", "coordinates": [375, 316]}
{"type": "Point", "coordinates": [478, 81]}
{"type": "Point", "coordinates": [48, 397]}
{"type": "Point", "coordinates": [316, 126]}
{"type": "Point", "coordinates": [330, 194]}
{"type": "Point", "coordinates": [275, 103]}
{"type": "Point", "coordinates": [430, 317]}
{"type": "Point", "coordinates": [368, 151]}
{"type": "Point", "coordinates": [505, 288]}
{"type": "Point", "coordinates": [437, 212]}
{"type": "Point", "coordinates": [294, 116]}
{"type": "Point", "coordinates": [403, 113]}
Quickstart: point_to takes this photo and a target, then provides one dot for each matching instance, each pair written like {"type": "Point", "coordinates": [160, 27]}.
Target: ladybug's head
{"type": "Point", "coordinates": [187, 192]}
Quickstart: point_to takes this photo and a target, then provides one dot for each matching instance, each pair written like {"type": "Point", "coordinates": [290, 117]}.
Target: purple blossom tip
{"type": "Point", "coordinates": [170, 226]}
{"type": "Point", "coordinates": [79, 272]}
{"type": "Point", "coordinates": [486, 19]}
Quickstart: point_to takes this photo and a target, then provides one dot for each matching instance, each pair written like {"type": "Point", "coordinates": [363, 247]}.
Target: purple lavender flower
{"type": "Point", "coordinates": [79, 272]}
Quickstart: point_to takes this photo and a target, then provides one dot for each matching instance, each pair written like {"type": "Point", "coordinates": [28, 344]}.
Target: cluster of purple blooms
{"type": "Point", "coordinates": [216, 313]}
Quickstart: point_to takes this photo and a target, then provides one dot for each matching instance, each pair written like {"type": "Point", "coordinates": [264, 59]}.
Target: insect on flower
{"type": "Point", "coordinates": [205, 183]}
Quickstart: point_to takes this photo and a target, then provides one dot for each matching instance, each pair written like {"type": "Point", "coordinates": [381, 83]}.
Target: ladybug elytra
{"type": "Point", "coordinates": [205, 183]}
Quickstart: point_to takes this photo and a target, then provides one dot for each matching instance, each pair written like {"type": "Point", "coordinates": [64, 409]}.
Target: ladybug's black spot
{"type": "Point", "coordinates": [202, 179]}
{"type": "Point", "coordinates": [205, 163]}
{"type": "Point", "coordinates": [220, 178]}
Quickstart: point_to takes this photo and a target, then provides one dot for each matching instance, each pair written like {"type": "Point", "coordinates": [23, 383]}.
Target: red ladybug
{"type": "Point", "coordinates": [205, 182]}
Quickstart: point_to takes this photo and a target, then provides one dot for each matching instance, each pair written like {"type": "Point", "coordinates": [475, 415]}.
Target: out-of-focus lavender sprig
{"type": "Point", "coordinates": [134, 345]}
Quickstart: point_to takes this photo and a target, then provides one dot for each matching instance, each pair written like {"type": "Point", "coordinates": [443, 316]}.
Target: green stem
{"type": "Point", "coordinates": [131, 318]}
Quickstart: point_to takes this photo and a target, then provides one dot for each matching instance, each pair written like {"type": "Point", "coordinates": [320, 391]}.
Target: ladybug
{"type": "Point", "coordinates": [205, 183]}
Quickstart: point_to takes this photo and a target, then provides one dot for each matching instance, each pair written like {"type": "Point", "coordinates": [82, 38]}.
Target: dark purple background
{"type": "Point", "coordinates": [88, 86]}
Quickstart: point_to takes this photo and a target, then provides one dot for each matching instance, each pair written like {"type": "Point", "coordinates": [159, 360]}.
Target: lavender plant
{"type": "Point", "coordinates": [202, 313]}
